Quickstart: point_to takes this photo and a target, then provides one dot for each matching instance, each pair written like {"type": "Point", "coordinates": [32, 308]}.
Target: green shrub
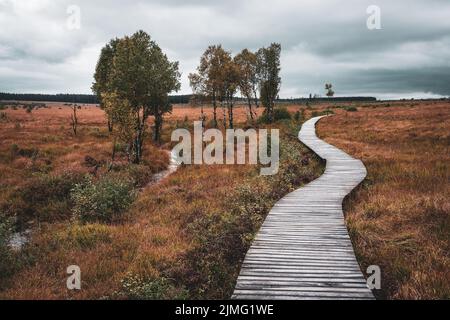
{"type": "Point", "coordinates": [3, 116]}
{"type": "Point", "coordinates": [278, 114]}
{"type": "Point", "coordinates": [351, 109]}
{"type": "Point", "coordinates": [103, 200]}
{"type": "Point", "coordinates": [137, 288]}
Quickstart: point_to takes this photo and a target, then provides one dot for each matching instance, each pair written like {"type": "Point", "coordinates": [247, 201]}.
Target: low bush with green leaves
{"type": "Point", "coordinates": [351, 109]}
{"type": "Point", "coordinates": [278, 114]}
{"type": "Point", "coordinates": [102, 200]}
{"type": "Point", "coordinates": [137, 288]}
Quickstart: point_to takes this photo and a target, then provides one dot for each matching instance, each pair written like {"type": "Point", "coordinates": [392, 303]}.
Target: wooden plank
{"type": "Point", "coordinates": [303, 250]}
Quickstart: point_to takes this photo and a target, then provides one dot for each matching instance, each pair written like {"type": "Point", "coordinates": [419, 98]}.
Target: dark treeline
{"type": "Point", "coordinates": [72, 98]}
{"type": "Point", "coordinates": [326, 99]}
{"type": "Point", "coordinates": [175, 99]}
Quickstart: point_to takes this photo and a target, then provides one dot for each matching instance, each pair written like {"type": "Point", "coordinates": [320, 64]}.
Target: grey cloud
{"type": "Point", "coordinates": [322, 41]}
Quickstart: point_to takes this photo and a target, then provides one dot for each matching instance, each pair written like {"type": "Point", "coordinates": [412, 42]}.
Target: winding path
{"type": "Point", "coordinates": [303, 250]}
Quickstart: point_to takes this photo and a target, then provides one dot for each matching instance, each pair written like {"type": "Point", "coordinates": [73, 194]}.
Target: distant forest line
{"type": "Point", "coordinates": [175, 99]}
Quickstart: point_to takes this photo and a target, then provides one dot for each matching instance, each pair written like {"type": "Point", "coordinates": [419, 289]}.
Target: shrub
{"type": "Point", "coordinates": [351, 109]}
{"type": "Point", "coordinates": [103, 200]}
{"type": "Point", "coordinates": [44, 197]}
{"type": "Point", "coordinates": [137, 288]}
{"type": "Point", "coordinates": [141, 175]}
{"type": "Point", "coordinates": [278, 114]}
{"type": "Point", "coordinates": [3, 116]}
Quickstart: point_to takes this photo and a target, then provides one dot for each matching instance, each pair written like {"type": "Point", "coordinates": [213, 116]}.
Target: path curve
{"type": "Point", "coordinates": [303, 250]}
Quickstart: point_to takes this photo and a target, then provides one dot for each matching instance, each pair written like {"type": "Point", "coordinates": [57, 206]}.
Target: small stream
{"type": "Point", "coordinates": [173, 166]}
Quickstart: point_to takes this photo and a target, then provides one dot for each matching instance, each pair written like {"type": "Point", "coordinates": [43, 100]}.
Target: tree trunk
{"type": "Point", "coordinates": [250, 108]}
{"type": "Point", "coordinates": [158, 128]}
{"type": "Point", "coordinates": [138, 140]}
{"type": "Point", "coordinates": [224, 115]}
{"type": "Point", "coordinates": [215, 110]}
{"type": "Point", "coordinates": [110, 124]}
{"type": "Point", "coordinates": [113, 156]}
{"type": "Point", "coordinates": [230, 112]}
{"type": "Point", "coordinates": [256, 99]}
{"type": "Point", "coordinates": [74, 120]}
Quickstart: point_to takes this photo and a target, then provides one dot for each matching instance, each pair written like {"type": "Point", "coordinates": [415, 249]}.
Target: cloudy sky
{"type": "Point", "coordinates": [322, 41]}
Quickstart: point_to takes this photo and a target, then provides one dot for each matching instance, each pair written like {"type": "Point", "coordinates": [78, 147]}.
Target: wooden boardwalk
{"type": "Point", "coordinates": [303, 250]}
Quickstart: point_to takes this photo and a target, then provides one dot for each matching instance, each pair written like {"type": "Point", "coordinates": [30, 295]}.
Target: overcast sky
{"type": "Point", "coordinates": [322, 41]}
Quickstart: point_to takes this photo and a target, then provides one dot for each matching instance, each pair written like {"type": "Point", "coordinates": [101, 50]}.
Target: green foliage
{"type": "Point", "coordinates": [278, 114]}
{"type": "Point", "coordinates": [103, 200]}
{"type": "Point", "coordinates": [138, 288]}
{"type": "Point", "coordinates": [269, 67]}
{"type": "Point", "coordinates": [329, 90]}
{"type": "Point", "coordinates": [133, 79]}
{"type": "Point", "coordinates": [351, 109]}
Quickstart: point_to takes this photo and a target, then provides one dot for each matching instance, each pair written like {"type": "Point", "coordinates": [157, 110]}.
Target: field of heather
{"type": "Point", "coordinates": [184, 237]}
{"type": "Point", "coordinates": [399, 218]}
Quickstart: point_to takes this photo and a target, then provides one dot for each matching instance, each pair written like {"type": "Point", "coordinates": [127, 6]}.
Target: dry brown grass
{"type": "Point", "coordinates": [154, 238]}
{"type": "Point", "coordinates": [400, 218]}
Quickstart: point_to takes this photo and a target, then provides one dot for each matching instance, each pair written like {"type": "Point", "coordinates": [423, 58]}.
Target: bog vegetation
{"type": "Point", "coordinates": [78, 179]}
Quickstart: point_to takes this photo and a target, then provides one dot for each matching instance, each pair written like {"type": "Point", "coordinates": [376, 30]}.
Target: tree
{"type": "Point", "coordinates": [165, 79]}
{"type": "Point", "coordinates": [136, 86]}
{"type": "Point", "coordinates": [74, 118]}
{"type": "Point", "coordinates": [208, 81]}
{"type": "Point", "coordinates": [268, 67]}
{"type": "Point", "coordinates": [103, 73]}
{"type": "Point", "coordinates": [329, 89]}
{"type": "Point", "coordinates": [247, 63]}
{"type": "Point", "coordinates": [230, 83]}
